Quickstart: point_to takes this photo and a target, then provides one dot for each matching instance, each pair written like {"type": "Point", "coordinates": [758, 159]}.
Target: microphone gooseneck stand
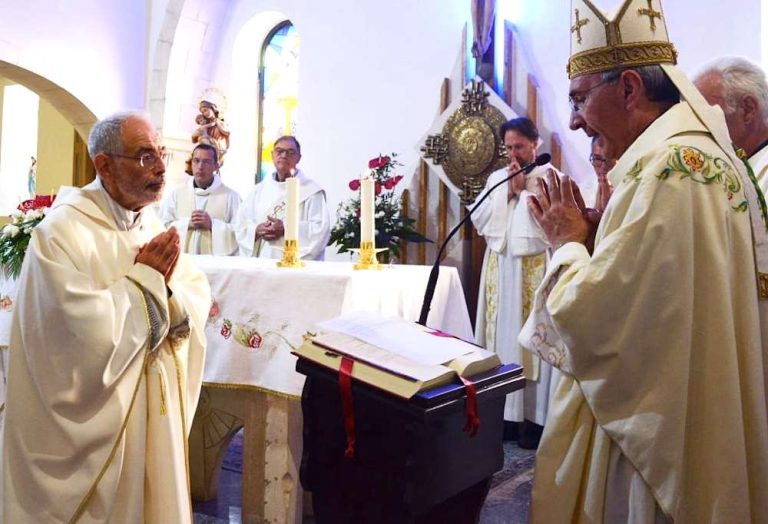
{"type": "Point", "coordinates": [432, 282]}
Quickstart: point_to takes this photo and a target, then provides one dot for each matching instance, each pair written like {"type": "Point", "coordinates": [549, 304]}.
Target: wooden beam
{"type": "Point", "coordinates": [509, 58]}
{"type": "Point", "coordinates": [533, 100]}
{"type": "Point", "coordinates": [442, 213]}
{"type": "Point", "coordinates": [443, 194]}
{"type": "Point", "coordinates": [464, 54]}
{"type": "Point", "coordinates": [445, 94]}
{"type": "Point", "coordinates": [422, 220]}
{"type": "Point", "coordinates": [405, 200]}
{"type": "Point", "coordinates": [556, 150]}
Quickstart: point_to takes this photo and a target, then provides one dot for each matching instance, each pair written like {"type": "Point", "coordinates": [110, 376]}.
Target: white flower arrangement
{"type": "Point", "coordinates": [14, 237]}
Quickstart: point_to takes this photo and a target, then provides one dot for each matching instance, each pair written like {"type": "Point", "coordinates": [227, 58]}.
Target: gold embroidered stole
{"type": "Point", "coordinates": [491, 299]}
{"type": "Point", "coordinates": [215, 205]}
{"type": "Point", "coordinates": [534, 267]}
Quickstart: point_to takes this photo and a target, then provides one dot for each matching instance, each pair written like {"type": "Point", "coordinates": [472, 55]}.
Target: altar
{"type": "Point", "coordinates": [259, 314]}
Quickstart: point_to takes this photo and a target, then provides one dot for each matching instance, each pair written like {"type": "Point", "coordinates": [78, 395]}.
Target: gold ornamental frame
{"type": "Point", "coordinates": [469, 147]}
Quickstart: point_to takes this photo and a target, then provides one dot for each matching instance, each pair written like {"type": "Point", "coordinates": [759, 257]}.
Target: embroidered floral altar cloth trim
{"type": "Point", "coordinates": [260, 312]}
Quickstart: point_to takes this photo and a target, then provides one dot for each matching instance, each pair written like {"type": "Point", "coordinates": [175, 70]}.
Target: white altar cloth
{"type": "Point", "coordinates": [261, 312]}
{"type": "Point", "coordinates": [8, 292]}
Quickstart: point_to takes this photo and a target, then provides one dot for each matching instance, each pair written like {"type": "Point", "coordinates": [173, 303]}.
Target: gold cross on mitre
{"type": "Point", "coordinates": [626, 39]}
{"type": "Point", "coordinates": [650, 13]}
{"type": "Point", "coordinates": [576, 27]}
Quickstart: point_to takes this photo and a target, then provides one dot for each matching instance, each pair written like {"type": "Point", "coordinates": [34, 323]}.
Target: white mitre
{"type": "Point", "coordinates": [635, 36]}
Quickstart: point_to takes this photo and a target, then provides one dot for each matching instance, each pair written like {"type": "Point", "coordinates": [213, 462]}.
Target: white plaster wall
{"type": "Point", "coordinates": [370, 70]}
{"type": "Point", "coordinates": [193, 60]}
{"type": "Point", "coordinates": [700, 30]}
{"type": "Point", "coordinates": [370, 75]}
{"type": "Point", "coordinates": [95, 49]}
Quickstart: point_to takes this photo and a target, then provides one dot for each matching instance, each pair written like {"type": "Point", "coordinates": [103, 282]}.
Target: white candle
{"type": "Point", "coordinates": [367, 225]}
{"type": "Point", "coordinates": [292, 209]}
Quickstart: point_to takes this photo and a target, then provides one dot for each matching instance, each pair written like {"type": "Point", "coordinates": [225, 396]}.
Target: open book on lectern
{"type": "Point", "coordinates": [395, 355]}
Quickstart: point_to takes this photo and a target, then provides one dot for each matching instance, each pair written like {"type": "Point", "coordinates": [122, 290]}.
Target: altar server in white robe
{"type": "Point", "coordinates": [513, 267]}
{"type": "Point", "coordinates": [660, 331]}
{"type": "Point", "coordinates": [107, 349]}
{"type": "Point", "coordinates": [739, 87]}
{"type": "Point", "coordinates": [203, 210]}
{"type": "Point", "coordinates": [259, 222]}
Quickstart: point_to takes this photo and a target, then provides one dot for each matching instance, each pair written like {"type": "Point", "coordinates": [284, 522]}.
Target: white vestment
{"type": "Point", "coordinates": [220, 202]}
{"type": "Point", "coordinates": [268, 199]}
{"type": "Point", "coordinates": [759, 164]}
{"type": "Point", "coordinates": [661, 409]}
{"type": "Point", "coordinates": [105, 371]}
{"type": "Point", "coordinates": [513, 266]}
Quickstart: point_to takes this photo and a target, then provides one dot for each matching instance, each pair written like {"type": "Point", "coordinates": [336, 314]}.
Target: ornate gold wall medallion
{"type": "Point", "coordinates": [469, 147]}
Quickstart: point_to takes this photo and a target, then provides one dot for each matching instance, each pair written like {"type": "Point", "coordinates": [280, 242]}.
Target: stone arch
{"type": "Point", "coordinates": [158, 78]}
{"type": "Point", "coordinates": [65, 102]}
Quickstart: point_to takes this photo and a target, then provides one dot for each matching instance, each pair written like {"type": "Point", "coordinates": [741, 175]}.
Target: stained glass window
{"type": "Point", "coordinates": [279, 78]}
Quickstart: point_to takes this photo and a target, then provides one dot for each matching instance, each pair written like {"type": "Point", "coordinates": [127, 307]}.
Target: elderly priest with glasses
{"type": "Point", "coordinates": [106, 349]}
{"type": "Point", "coordinates": [260, 222]}
{"type": "Point", "coordinates": [660, 330]}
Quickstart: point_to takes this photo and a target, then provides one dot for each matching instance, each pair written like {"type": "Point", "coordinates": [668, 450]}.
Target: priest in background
{"type": "Point", "coordinates": [739, 87]}
{"type": "Point", "coordinates": [106, 350]}
{"type": "Point", "coordinates": [259, 223]}
{"type": "Point", "coordinates": [660, 331]}
{"type": "Point", "coordinates": [600, 163]}
{"type": "Point", "coordinates": [513, 267]}
{"type": "Point", "coordinates": [203, 210]}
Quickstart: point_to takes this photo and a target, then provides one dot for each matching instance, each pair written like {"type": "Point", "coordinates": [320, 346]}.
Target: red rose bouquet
{"type": "Point", "coordinates": [390, 226]}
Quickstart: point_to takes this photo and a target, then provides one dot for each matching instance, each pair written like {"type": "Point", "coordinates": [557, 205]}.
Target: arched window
{"type": "Point", "coordinates": [279, 88]}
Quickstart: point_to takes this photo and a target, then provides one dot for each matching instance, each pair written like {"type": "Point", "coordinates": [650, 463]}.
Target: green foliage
{"type": "Point", "coordinates": [14, 239]}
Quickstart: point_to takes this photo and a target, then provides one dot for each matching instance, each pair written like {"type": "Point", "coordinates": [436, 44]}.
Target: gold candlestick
{"type": "Point", "coordinates": [290, 255]}
{"type": "Point", "coordinates": [368, 256]}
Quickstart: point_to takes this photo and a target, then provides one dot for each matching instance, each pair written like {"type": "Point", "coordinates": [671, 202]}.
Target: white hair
{"type": "Point", "coordinates": [740, 77]}
{"type": "Point", "coordinates": [106, 135]}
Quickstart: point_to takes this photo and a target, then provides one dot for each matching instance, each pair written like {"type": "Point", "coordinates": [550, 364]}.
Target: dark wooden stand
{"type": "Point", "coordinates": [413, 463]}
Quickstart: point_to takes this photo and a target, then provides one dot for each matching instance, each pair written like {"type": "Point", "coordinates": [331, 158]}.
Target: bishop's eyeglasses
{"type": "Point", "coordinates": [577, 100]}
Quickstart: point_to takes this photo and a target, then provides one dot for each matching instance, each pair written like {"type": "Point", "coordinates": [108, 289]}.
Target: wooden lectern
{"type": "Point", "coordinates": [412, 462]}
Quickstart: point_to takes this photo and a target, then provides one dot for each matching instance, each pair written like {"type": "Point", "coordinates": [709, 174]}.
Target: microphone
{"type": "Point", "coordinates": [540, 160]}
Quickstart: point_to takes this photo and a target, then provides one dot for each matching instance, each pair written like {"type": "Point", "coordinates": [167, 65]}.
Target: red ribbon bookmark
{"type": "Point", "coordinates": [345, 386]}
{"type": "Point", "coordinates": [473, 419]}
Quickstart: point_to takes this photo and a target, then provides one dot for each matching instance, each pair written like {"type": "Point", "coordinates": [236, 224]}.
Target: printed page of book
{"type": "Point", "coordinates": [402, 337]}
{"type": "Point", "coordinates": [381, 358]}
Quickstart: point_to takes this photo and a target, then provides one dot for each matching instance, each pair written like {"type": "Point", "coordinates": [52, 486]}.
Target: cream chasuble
{"type": "Point", "coordinates": [268, 200]}
{"type": "Point", "coordinates": [513, 267]}
{"type": "Point", "coordinates": [220, 202]}
{"type": "Point", "coordinates": [105, 372]}
{"type": "Point", "coordinates": [661, 410]}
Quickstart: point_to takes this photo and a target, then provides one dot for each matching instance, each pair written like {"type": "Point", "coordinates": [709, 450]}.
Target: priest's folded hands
{"type": "Point", "coordinates": [161, 253]}
{"type": "Point", "coordinates": [199, 219]}
{"type": "Point", "coordinates": [271, 229]}
{"type": "Point", "coordinates": [517, 184]}
{"type": "Point", "coordinates": [559, 209]}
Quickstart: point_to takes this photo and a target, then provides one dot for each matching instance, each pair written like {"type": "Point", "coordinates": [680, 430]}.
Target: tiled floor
{"type": "Point", "coordinates": [507, 502]}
